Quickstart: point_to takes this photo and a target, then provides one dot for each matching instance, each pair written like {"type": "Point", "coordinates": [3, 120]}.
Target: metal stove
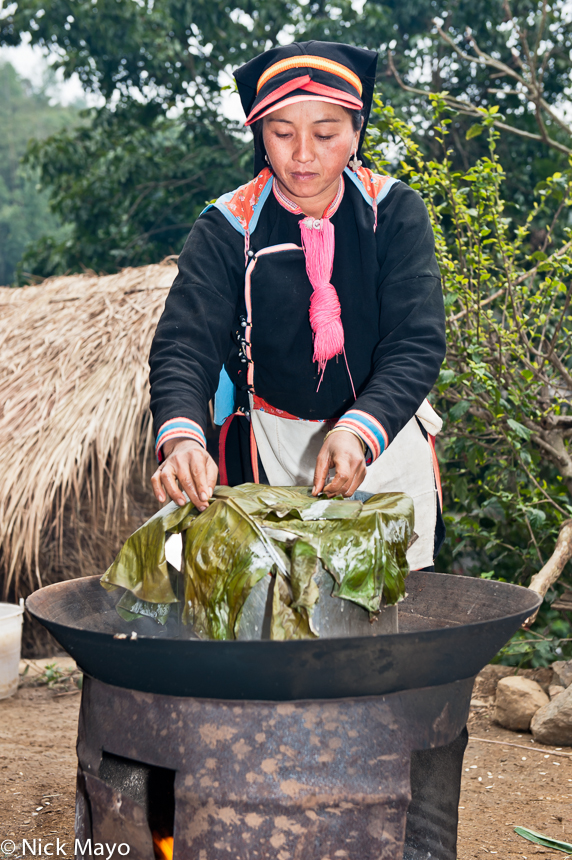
{"type": "Point", "coordinates": [298, 750]}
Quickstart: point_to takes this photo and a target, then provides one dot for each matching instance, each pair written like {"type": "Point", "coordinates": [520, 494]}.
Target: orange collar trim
{"type": "Point", "coordinates": [243, 202]}
{"type": "Point", "coordinates": [307, 61]}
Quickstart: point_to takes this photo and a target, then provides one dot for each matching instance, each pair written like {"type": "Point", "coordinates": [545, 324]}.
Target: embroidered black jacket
{"type": "Point", "coordinates": [388, 284]}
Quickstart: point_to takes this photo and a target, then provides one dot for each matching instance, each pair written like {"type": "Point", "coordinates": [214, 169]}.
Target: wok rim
{"type": "Point", "coordinates": [536, 601]}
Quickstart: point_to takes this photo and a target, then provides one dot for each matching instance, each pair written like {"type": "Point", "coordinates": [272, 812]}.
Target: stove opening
{"type": "Point", "coordinates": [153, 788]}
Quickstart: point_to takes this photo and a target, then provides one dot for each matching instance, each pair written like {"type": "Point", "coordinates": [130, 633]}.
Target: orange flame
{"type": "Point", "coordinates": [163, 846]}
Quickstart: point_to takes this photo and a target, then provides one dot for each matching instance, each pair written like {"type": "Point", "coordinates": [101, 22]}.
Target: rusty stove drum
{"type": "Point", "coordinates": [297, 750]}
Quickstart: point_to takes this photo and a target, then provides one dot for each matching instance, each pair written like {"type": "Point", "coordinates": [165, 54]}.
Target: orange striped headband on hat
{"type": "Point", "coordinates": [299, 89]}
{"type": "Point", "coordinates": [307, 61]}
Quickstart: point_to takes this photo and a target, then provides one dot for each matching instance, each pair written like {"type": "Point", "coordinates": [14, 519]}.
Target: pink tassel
{"type": "Point", "coordinates": [318, 242]}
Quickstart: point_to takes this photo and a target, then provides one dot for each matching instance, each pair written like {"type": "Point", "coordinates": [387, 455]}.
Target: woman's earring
{"type": "Point", "coordinates": [354, 163]}
{"type": "Point", "coordinates": [266, 160]}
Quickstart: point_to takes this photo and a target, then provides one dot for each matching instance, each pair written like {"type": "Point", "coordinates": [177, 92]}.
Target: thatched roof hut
{"type": "Point", "coordinates": [75, 430]}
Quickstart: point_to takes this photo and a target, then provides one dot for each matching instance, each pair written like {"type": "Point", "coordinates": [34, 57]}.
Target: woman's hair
{"type": "Point", "coordinates": [356, 117]}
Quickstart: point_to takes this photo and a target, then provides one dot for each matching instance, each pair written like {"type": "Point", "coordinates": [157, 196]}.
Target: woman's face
{"type": "Point", "coordinates": [308, 145]}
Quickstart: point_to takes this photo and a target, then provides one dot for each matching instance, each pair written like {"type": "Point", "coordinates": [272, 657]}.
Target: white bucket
{"type": "Point", "coordinates": [11, 618]}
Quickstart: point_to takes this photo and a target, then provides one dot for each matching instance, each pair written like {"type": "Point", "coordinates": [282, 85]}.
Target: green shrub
{"type": "Point", "coordinates": [506, 385]}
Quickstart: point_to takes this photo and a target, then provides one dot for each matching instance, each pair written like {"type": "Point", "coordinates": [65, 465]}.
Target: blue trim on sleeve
{"type": "Point", "coordinates": [178, 428]}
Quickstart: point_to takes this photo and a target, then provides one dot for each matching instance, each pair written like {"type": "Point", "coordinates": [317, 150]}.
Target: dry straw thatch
{"type": "Point", "coordinates": [74, 418]}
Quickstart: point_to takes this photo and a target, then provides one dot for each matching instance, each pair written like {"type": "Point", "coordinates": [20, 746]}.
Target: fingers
{"type": "Point", "coordinates": [343, 451]}
{"type": "Point", "coordinates": [190, 468]}
{"type": "Point", "coordinates": [158, 486]}
{"type": "Point", "coordinates": [189, 477]}
{"type": "Point", "coordinates": [169, 481]}
{"type": "Point", "coordinates": [200, 485]}
{"type": "Point", "coordinates": [352, 474]}
{"type": "Point", "coordinates": [340, 483]}
{"type": "Point", "coordinates": [321, 471]}
{"type": "Point", "coordinates": [358, 479]}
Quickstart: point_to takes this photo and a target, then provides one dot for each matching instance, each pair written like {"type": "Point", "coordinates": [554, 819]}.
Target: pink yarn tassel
{"type": "Point", "coordinates": [318, 242]}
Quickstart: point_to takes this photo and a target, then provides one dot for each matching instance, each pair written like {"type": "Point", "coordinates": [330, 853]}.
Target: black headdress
{"type": "Point", "coordinates": [326, 71]}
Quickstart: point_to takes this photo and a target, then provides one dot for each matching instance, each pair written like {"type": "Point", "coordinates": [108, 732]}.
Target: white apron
{"type": "Point", "coordinates": [288, 449]}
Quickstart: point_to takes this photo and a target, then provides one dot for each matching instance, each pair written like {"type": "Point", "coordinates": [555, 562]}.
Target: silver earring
{"type": "Point", "coordinates": [266, 159]}
{"type": "Point", "coordinates": [354, 163]}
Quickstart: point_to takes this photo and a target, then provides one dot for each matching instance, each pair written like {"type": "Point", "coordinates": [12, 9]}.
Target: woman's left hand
{"type": "Point", "coordinates": [343, 452]}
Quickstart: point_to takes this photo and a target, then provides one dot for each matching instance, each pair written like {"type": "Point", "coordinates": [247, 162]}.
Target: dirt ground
{"type": "Point", "coordinates": [503, 785]}
{"type": "Point", "coordinates": [38, 727]}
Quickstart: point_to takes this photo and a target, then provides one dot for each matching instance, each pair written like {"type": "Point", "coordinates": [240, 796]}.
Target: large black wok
{"type": "Point", "coordinates": [450, 627]}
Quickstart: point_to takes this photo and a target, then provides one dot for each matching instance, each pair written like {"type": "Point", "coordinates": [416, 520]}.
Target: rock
{"type": "Point", "coordinates": [544, 676]}
{"type": "Point", "coordinates": [552, 724]}
{"type": "Point", "coordinates": [488, 678]}
{"type": "Point", "coordinates": [517, 701]}
{"type": "Point", "coordinates": [562, 672]}
{"type": "Point", "coordinates": [555, 690]}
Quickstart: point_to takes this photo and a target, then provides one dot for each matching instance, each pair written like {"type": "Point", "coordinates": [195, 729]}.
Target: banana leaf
{"type": "Point", "coordinates": [366, 554]}
{"type": "Point", "coordinates": [292, 502]}
{"type": "Point", "coordinates": [294, 599]}
{"type": "Point", "coordinates": [288, 621]}
{"type": "Point", "coordinates": [250, 531]}
{"type": "Point", "coordinates": [304, 566]}
{"type": "Point", "coordinates": [226, 554]}
{"type": "Point", "coordinates": [141, 565]}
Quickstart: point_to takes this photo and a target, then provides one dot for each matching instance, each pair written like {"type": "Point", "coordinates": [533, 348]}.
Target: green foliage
{"type": "Point", "coordinates": [131, 184]}
{"type": "Point", "coordinates": [549, 640]}
{"type": "Point", "coordinates": [158, 52]}
{"type": "Point", "coordinates": [57, 678]}
{"type": "Point", "coordinates": [52, 674]}
{"type": "Point", "coordinates": [487, 54]}
{"type": "Point", "coordinates": [506, 383]}
{"type": "Point", "coordinates": [24, 211]}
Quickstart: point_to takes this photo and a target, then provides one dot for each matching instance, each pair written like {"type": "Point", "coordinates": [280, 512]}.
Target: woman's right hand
{"type": "Point", "coordinates": [187, 466]}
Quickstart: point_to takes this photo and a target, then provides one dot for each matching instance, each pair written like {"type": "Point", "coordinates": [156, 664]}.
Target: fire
{"type": "Point", "coordinates": [163, 846]}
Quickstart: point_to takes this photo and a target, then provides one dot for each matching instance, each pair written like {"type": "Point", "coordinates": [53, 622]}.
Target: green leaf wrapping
{"type": "Point", "coordinates": [141, 566]}
{"type": "Point", "coordinates": [226, 554]}
{"type": "Point", "coordinates": [366, 554]}
{"type": "Point", "coordinates": [288, 621]}
{"type": "Point", "coordinates": [304, 565]}
{"type": "Point", "coordinates": [293, 600]}
{"type": "Point", "coordinates": [250, 531]}
{"type": "Point", "coordinates": [291, 502]}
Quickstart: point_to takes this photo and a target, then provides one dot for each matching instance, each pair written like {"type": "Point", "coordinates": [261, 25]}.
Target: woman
{"type": "Point", "coordinates": [311, 297]}
{"type": "Point", "coordinates": [315, 290]}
